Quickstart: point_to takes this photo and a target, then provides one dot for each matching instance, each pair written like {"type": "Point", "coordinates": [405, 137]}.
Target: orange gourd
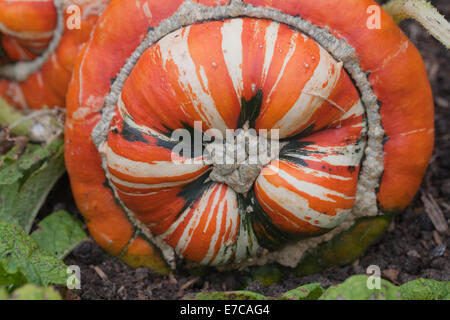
{"type": "Point", "coordinates": [27, 29]}
{"type": "Point", "coordinates": [352, 106]}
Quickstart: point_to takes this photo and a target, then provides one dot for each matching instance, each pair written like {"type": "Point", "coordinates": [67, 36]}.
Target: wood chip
{"type": "Point", "coordinates": [70, 295]}
{"type": "Point", "coordinates": [391, 274]}
{"type": "Point", "coordinates": [435, 213]}
{"type": "Point", "coordinates": [443, 103]}
{"type": "Point", "coordinates": [425, 244]}
{"type": "Point", "coordinates": [141, 296]}
{"type": "Point", "coordinates": [413, 254]}
{"type": "Point", "coordinates": [100, 273]}
{"type": "Point", "coordinates": [122, 292]}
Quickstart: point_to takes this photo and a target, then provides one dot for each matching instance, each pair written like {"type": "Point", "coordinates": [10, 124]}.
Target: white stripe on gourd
{"type": "Point", "coordinates": [175, 48]}
{"type": "Point", "coordinates": [128, 119]}
{"type": "Point", "coordinates": [196, 217]}
{"type": "Point", "coordinates": [145, 186]}
{"type": "Point", "coordinates": [288, 57]}
{"type": "Point", "coordinates": [270, 40]}
{"type": "Point", "coordinates": [309, 188]}
{"type": "Point", "coordinates": [317, 173]}
{"type": "Point", "coordinates": [312, 96]}
{"type": "Point", "coordinates": [232, 219]}
{"type": "Point", "coordinates": [232, 52]}
{"type": "Point", "coordinates": [299, 206]}
{"type": "Point", "coordinates": [153, 169]}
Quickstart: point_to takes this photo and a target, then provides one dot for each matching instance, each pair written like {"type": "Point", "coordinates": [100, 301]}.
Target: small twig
{"type": "Point", "coordinates": [437, 238]}
{"type": "Point", "coordinates": [187, 285]}
{"type": "Point", "coordinates": [9, 115]}
{"type": "Point", "coordinates": [391, 227]}
{"type": "Point", "coordinates": [446, 205]}
{"type": "Point", "coordinates": [435, 213]}
{"type": "Point", "coordinates": [32, 115]}
{"type": "Point", "coordinates": [172, 278]}
{"type": "Point", "coordinates": [423, 12]}
{"type": "Point", "coordinates": [100, 273]}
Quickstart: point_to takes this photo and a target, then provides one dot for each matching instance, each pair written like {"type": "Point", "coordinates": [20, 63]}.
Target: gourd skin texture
{"type": "Point", "coordinates": [27, 28]}
{"type": "Point", "coordinates": [397, 75]}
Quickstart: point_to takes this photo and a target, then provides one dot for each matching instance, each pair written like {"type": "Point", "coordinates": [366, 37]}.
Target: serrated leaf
{"type": "Point", "coordinates": [21, 258]}
{"type": "Point", "coordinates": [59, 233]}
{"type": "Point", "coordinates": [311, 291]}
{"type": "Point", "coordinates": [22, 198]}
{"type": "Point", "coordinates": [231, 295]}
{"type": "Point", "coordinates": [425, 289]}
{"type": "Point", "coordinates": [32, 292]}
{"type": "Point", "coordinates": [356, 288]}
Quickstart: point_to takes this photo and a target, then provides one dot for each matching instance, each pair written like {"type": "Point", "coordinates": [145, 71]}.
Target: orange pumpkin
{"type": "Point", "coordinates": [352, 106]}
{"type": "Point", "coordinates": [40, 41]}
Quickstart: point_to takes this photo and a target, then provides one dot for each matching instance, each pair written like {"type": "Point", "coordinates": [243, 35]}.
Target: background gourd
{"type": "Point", "coordinates": [42, 37]}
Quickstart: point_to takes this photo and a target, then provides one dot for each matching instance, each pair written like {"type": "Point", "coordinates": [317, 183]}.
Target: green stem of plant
{"type": "Point", "coordinates": [423, 12]}
{"type": "Point", "coordinates": [10, 115]}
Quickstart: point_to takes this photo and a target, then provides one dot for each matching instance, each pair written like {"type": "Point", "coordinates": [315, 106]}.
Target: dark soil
{"type": "Point", "coordinates": [412, 248]}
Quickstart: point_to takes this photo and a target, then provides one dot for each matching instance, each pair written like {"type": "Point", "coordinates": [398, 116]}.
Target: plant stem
{"type": "Point", "coordinates": [424, 12]}
{"type": "Point", "coordinates": [9, 115]}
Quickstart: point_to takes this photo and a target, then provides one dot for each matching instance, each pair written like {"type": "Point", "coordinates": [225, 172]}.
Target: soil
{"type": "Point", "coordinates": [411, 248]}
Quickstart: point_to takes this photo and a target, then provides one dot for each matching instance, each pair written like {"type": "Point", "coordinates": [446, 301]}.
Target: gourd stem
{"type": "Point", "coordinates": [9, 115]}
{"type": "Point", "coordinates": [423, 12]}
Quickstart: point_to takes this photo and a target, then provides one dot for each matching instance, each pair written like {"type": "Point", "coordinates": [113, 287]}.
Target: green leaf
{"type": "Point", "coordinates": [356, 288]}
{"type": "Point", "coordinates": [424, 289]}
{"type": "Point", "coordinates": [31, 292]}
{"type": "Point", "coordinates": [312, 291]}
{"type": "Point", "coordinates": [33, 157]}
{"type": "Point", "coordinates": [26, 182]}
{"type": "Point", "coordinates": [11, 277]}
{"type": "Point", "coordinates": [21, 260]}
{"type": "Point", "coordinates": [267, 275]}
{"type": "Point", "coordinates": [230, 295]}
{"type": "Point", "coordinates": [3, 294]}
{"type": "Point", "coordinates": [9, 115]}
{"type": "Point", "coordinates": [8, 196]}
{"type": "Point", "coordinates": [59, 233]}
